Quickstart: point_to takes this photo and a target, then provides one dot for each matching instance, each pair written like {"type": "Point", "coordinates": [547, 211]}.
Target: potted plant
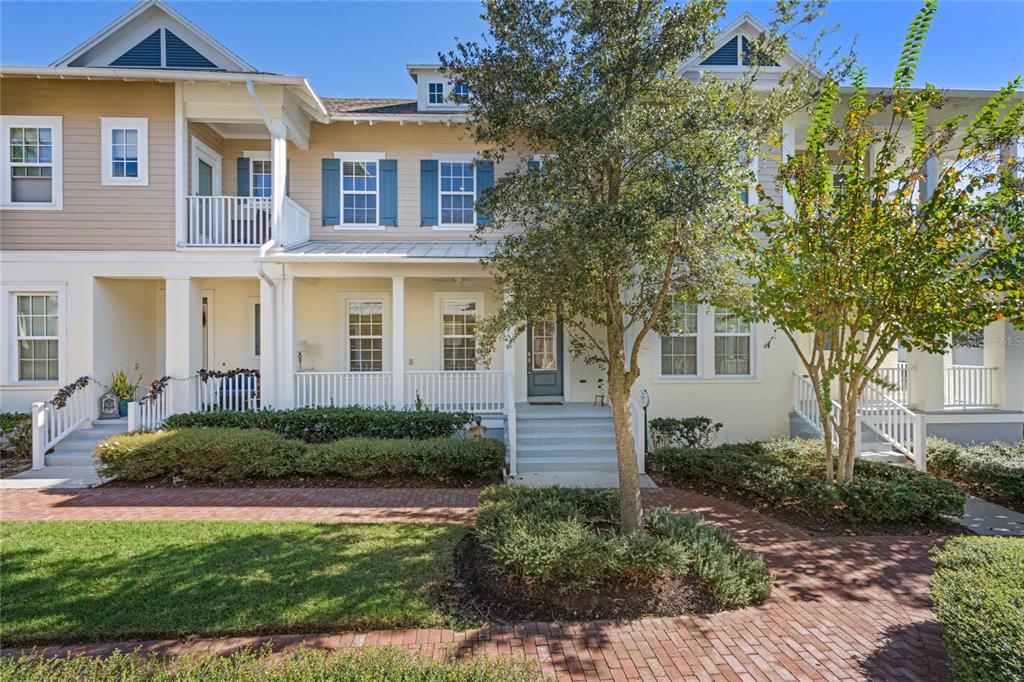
{"type": "Point", "coordinates": [122, 387]}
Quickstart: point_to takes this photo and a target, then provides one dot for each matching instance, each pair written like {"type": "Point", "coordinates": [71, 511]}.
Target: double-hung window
{"type": "Point", "coordinates": [37, 322]}
{"type": "Point", "coordinates": [707, 342]}
{"type": "Point", "coordinates": [435, 93]}
{"type": "Point", "coordinates": [125, 151]}
{"type": "Point", "coordinates": [261, 177]}
{"type": "Point", "coordinates": [360, 189]}
{"type": "Point", "coordinates": [732, 344]}
{"type": "Point", "coordinates": [679, 348]}
{"type": "Point", "coordinates": [458, 193]}
{"type": "Point", "coordinates": [458, 334]}
{"type": "Point", "coordinates": [32, 162]}
{"type": "Point", "coordinates": [365, 336]}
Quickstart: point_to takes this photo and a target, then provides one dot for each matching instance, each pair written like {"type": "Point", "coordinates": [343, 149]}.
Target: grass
{"type": "Point", "coordinates": [111, 580]}
{"type": "Point", "coordinates": [355, 665]}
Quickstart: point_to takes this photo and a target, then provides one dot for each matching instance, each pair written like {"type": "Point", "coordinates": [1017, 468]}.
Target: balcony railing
{"type": "Point", "coordinates": [342, 389]}
{"type": "Point", "coordinates": [228, 221]}
{"type": "Point", "coordinates": [969, 386]}
{"type": "Point", "coordinates": [474, 391]}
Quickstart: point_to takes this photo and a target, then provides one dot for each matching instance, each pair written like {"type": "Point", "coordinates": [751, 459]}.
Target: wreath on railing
{"type": "Point", "coordinates": [207, 374]}
{"type": "Point", "coordinates": [61, 397]}
{"type": "Point", "coordinates": [155, 389]}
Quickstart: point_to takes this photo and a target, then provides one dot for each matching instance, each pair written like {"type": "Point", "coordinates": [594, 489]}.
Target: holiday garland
{"type": "Point", "coordinates": [61, 397]}
{"type": "Point", "coordinates": [155, 389]}
{"type": "Point", "coordinates": [207, 374]}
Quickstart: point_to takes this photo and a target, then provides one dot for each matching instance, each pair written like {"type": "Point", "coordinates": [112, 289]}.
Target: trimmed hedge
{"type": "Point", "coordinates": [978, 592]}
{"type": "Point", "coordinates": [325, 424]}
{"type": "Point", "coordinates": [993, 471]}
{"type": "Point", "coordinates": [16, 434]}
{"type": "Point", "coordinates": [223, 455]}
{"type": "Point", "coordinates": [790, 474]}
{"type": "Point", "coordinates": [567, 540]}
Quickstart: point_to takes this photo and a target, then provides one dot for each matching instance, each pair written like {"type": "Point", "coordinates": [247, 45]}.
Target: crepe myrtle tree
{"type": "Point", "coordinates": [875, 254]}
{"type": "Point", "coordinates": [637, 180]}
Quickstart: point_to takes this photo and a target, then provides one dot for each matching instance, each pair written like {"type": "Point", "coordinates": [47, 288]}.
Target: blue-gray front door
{"type": "Point", "coordinates": [544, 371]}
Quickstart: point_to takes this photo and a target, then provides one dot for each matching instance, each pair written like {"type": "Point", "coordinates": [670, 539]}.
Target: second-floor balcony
{"type": "Point", "coordinates": [243, 222]}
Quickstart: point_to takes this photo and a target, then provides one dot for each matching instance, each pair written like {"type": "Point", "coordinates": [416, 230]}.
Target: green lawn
{"type": "Point", "coordinates": [90, 581]}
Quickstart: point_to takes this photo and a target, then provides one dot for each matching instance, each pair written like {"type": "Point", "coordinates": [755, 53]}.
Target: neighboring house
{"type": "Point", "coordinates": [168, 208]}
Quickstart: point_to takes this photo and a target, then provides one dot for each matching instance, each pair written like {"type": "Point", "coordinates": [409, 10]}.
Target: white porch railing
{"type": "Point", "coordinates": [229, 221]}
{"type": "Point", "coordinates": [473, 391]}
{"type": "Point", "coordinates": [897, 376]}
{"type": "Point", "coordinates": [805, 403]}
{"type": "Point", "coordinates": [149, 415]}
{"type": "Point", "coordinates": [51, 424]}
{"type": "Point", "coordinates": [341, 389]}
{"type": "Point", "coordinates": [969, 386]}
{"type": "Point", "coordinates": [904, 430]}
{"type": "Point", "coordinates": [237, 393]}
{"type": "Point", "coordinates": [295, 224]}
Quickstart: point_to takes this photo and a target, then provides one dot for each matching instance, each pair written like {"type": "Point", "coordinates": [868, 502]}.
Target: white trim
{"type": "Point", "coordinates": [180, 166]}
{"type": "Point", "coordinates": [211, 338]}
{"type": "Point", "coordinates": [375, 157]}
{"type": "Point", "coordinates": [440, 297]}
{"type": "Point", "coordinates": [706, 354]}
{"type": "Point", "coordinates": [382, 297]}
{"type": "Point", "coordinates": [200, 150]}
{"type": "Point", "coordinates": [470, 158]}
{"type": "Point", "coordinates": [8, 310]}
{"type": "Point", "coordinates": [252, 327]}
{"type": "Point", "coordinates": [141, 126]}
{"type": "Point", "coordinates": [257, 155]}
{"type": "Point", "coordinates": [56, 125]}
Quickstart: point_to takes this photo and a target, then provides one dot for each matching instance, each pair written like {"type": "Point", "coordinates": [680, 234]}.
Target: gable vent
{"type": "Point", "coordinates": [726, 55]}
{"type": "Point", "coordinates": [163, 49]}
{"type": "Point", "coordinates": [146, 53]}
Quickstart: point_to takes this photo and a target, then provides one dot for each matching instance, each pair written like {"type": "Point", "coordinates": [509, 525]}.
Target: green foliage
{"type": "Point", "coordinates": [122, 387]}
{"type": "Point", "coordinates": [688, 432]}
{"type": "Point", "coordinates": [364, 664]}
{"type": "Point", "coordinates": [565, 539]}
{"type": "Point", "coordinates": [978, 592]}
{"type": "Point", "coordinates": [993, 471]}
{"type": "Point", "coordinates": [324, 424]}
{"type": "Point", "coordinates": [226, 454]}
{"type": "Point", "coordinates": [16, 435]}
{"type": "Point", "coordinates": [789, 474]}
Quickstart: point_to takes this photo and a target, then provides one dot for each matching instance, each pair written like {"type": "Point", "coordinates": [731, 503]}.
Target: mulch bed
{"type": "Point", "coordinates": [482, 592]}
{"type": "Point", "coordinates": [11, 464]}
{"type": "Point", "coordinates": [814, 525]}
{"type": "Point", "coordinates": [311, 482]}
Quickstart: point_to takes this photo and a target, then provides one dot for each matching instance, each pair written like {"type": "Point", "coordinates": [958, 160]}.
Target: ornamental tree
{"type": "Point", "coordinates": [876, 253]}
{"type": "Point", "coordinates": [638, 175]}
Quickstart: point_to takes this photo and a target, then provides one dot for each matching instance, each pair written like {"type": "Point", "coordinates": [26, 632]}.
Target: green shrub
{"type": "Point", "coordinates": [978, 592]}
{"type": "Point", "coordinates": [325, 424]}
{"type": "Point", "coordinates": [16, 435]}
{"type": "Point", "coordinates": [364, 663]}
{"type": "Point", "coordinates": [567, 540]}
{"type": "Point", "coordinates": [790, 474]}
{"type": "Point", "coordinates": [994, 471]}
{"type": "Point", "coordinates": [688, 432]}
{"type": "Point", "coordinates": [222, 454]}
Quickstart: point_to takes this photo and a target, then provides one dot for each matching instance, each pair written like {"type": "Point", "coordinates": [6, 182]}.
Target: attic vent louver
{"type": "Point", "coordinates": [145, 54]}
{"type": "Point", "coordinates": [166, 51]}
{"type": "Point", "coordinates": [181, 55]}
{"type": "Point", "coordinates": [726, 55]}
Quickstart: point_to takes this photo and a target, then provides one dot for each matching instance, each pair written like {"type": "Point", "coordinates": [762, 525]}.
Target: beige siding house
{"type": "Point", "coordinates": [164, 212]}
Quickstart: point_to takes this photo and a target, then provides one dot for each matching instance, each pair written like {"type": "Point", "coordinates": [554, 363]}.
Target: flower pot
{"type": "Point", "coordinates": [122, 408]}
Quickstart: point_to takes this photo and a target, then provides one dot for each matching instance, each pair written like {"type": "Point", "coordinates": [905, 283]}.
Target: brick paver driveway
{"type": "Point", "coordinates": [842, 608]}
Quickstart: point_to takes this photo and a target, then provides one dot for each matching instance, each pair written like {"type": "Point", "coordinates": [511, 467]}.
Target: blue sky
{"type": "Point", "coordinates": [350, 49]}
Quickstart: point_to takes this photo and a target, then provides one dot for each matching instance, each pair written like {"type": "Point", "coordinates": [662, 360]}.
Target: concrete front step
{"type": "Point", "coordinates": [559, 439]}
{"type": "Point", "coordinates": [62, 459]}
{"type": "Point", "coordinates": [530, 463]}
{"type": "Point", "coordinates": [53, 477]}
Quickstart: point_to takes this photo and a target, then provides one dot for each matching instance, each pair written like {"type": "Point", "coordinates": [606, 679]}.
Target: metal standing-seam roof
{"type": "Point", "coordinates": [390, 250]}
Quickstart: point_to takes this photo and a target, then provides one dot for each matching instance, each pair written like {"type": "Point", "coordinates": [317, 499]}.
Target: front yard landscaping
{"type": "Point", "coordinates": [15, 443]}
{"type": "Point", "coordinates": [785, 478]}
{"type": "Point", "coordinates": [978, 592]}
{"type": "Point", "coordinates": [367, 664]}
{"type": "Point", "coordinates": [102, 581]}
{"type": "Point", "coordinates": [991, 471]}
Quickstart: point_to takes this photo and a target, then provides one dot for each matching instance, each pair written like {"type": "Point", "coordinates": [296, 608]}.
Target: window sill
{"type": "Point", "coordinates": [121, 183]}
{"type": "Point", "coordinates": [31, 207]}
{"type": "Point", "coordinates": [356, 228]}
{"type": "Point", "coordinates": [727, 379]}
{"type": "Point", "coordinates": [454, 228]}
{"type": "Point", "coordinates": [31, 385]}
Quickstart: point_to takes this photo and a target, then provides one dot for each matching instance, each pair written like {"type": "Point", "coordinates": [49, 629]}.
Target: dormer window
{"type": "Point", "coordinates": [435, 93]}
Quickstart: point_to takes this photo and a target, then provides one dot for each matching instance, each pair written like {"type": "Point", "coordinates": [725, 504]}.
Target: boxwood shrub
{"type": "Point", "coordinates": [978, 592]}
{"type": "Point", "coordinates": [236, 455]}
{"type": "Point", "coordinates": [16, 435]}
{"type": "Point", "coordinates": [993, 471]}
{"type": "Point", "coordinates": [790, 474]}
{"type": "Point", "coordinates": [324, 424]}
{"type": "Point", "coordinates": [567, 540]}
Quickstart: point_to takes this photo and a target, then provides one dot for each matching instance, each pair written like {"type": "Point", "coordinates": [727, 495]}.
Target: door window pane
{"type": "Point", "coordinates": [544, 354]}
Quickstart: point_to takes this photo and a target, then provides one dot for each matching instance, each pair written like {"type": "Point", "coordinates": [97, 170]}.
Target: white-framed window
{"type": "Point", "coordinates": [679, 348]}
{"type": "Point", "coordinates": [435, 93]}
{"type": "Point", "coordinates": [260, 176]}
{"type": "Point", "coordinates": [460, 91]}
{"type": "Point", "coordinates": [458, 333]}
{"type": "Point", "coordinates": [360, 189]}
{"type": "Point", "coordinates": [206, 169]}
{"type": "Point", "coordinates": [457, 193]}
{"type": "Point", "coordinates": [364, 319]}
{"type": "Point", "coordinates": [708, 343]}
{"type": "Point", "coordinates": [255, 332]}
{"type": "Point", "coordinates": [34, 350]}
{"type": "Point", "coordinates": [33, 162]}
{"type": "Point", "coordinates": [124, 155]}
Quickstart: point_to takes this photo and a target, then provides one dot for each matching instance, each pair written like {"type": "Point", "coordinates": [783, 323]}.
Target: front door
{"type": "Point", "coordinates": [544, 372]}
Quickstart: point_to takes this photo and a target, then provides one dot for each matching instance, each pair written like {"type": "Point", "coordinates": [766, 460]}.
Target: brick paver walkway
{"type": "Point", "coordinates": [842, 608]}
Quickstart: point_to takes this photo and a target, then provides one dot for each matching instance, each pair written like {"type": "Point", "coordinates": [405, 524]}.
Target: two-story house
{"type": "Point", "coordinates": [166, 208]}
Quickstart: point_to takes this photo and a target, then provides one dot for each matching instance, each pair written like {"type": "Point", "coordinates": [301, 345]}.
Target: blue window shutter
{"type": "Point", "coordinates": [484, 181]}
{"type": "Point", "coordinates": [288, 177]}
{"type": "Point", "coordinates": [726, 55]}
{"type": "Point", "coordinates": [145, 53]}
{"type": "Point", "coordinates": [388, 191]}
{"type": "Point", "coordinates": [242, 183]}
{"type": "Point", "coordinates": [428, 192]}
{"type": "Point", "coordinates": [331, 192]}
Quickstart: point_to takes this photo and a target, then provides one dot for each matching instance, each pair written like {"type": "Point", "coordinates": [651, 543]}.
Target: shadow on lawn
{"type": "Point", "coordinates": [218, 581]}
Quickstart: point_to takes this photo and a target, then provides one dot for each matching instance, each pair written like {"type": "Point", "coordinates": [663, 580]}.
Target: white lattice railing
{"type": "Point", "coordinates": [237, 393]}
{"type": "Point", "coordinates": [897, 377]}
{"type": "Point", "coordinates": [969, 386]}
{"type": "Point", "coordinates": [341, 389]}
{"type": "Point", "coordinates": [473, 391]}
{"type": "Point", "coordinates": [904, 430]}
{"type": "Point", "coordinates": [229, 221]}
{"type": "Point", "coordinates": [51, 424]}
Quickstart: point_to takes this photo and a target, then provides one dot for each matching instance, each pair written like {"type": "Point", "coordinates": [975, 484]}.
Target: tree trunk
{"type": "Point", "coordinates": [619, 385]}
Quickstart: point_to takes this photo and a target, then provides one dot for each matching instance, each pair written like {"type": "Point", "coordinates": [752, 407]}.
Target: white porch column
{"type": "Point", "coordinates": [926, 381]}
{"type": "Point", "coordinates": [398, 341]}
{"type": "Point", "coordinates": [510, 404]}
{"type": "Point", "coordinates": [180, 165]}
{"type": "Point", "coordinates": [1004, 350]}
{"type": "Point", "coordinates": [287, 365]}
{"type": "Point", "coordinates": [932, 172]}
{"type": "Point", "coordinates": [183, 346]}
{"type": "Point", "coordinates": [268, 344]}
{"type": "Point", "coordinates": [279, 170]}
{"type": "Point", "coordinates": [788, 150]}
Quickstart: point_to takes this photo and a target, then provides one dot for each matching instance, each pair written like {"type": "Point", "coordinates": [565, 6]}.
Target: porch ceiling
{"type": "Point", "coordinates": [386, 251]}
